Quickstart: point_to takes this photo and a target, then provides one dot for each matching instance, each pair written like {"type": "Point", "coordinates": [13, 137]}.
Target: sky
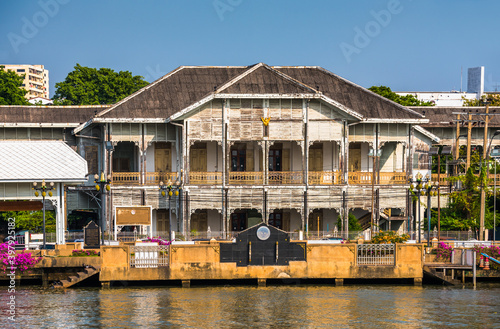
{"type": "Point", "coordinates": [408, 45]}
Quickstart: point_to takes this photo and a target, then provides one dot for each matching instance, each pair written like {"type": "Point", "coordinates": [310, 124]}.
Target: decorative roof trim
{"type": "Point", "coordinates": [427, 133]}
{"type": "Point", "coordinates": [342, 107]}
{"type": "Point", "coordinates": [411, 121]}
{"type": "Point", "coordinates": [188, 109]}
{"type": "Point", "coordinates": [41, 125]}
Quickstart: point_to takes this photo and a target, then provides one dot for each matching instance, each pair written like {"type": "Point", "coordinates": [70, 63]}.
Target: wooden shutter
{"type": "Point", "coordinates": [249, 160]}
{"type": "Point", "coordinates": [286, 221]}
{"type": "Point", "coordinates": [285, 164]}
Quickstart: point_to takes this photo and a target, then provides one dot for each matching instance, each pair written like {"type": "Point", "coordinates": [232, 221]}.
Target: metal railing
{"type": "Point", "coordinates": [324, 177]}
{"type": "Point", "coordinates": [376, 254]}
{"type": "Point", "coordinates": [246, 177]}
{"type": "Point", "coordinates": [148, 256]}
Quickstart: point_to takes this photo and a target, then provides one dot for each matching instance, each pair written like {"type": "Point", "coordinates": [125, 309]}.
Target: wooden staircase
{"type": "Point", "coordinates": [79, 276]}
{"type": "Point", "coordinates": [365, 221]}
{"type": "Point", "coordinates": [433, 272]}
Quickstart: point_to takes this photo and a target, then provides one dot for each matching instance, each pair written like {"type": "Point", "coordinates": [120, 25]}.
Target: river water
{"type": "Point", "coordinates": [299, 306]}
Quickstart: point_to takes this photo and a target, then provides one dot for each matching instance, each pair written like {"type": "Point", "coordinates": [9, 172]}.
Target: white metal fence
{"type": "Point", "coordinates": [376, 254]}
{"type": "Point", "coordinates": [148, 256]}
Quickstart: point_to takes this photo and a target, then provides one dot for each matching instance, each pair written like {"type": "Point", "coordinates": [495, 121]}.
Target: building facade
{"type": "Point", "coordinates": [299, 148]}
{"type": "Point", "coordinates": [36, 79]}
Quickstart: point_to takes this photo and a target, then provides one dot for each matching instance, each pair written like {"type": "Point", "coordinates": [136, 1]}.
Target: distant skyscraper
{"type": "Point", "coordinates": [36, 79]}
{"type": "Point", "coordinates": [475, 80]}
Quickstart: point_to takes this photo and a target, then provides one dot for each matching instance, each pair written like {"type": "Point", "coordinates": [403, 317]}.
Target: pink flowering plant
{"type": "Point", "coordinates": [22, 261]}
{"type": "Point", "coordinates": [160, 241]}
{"type": "Point", "coordinates": [84, 253]}
{"type": "Point", "coordinates": [492, 251]}
{"type": "Point", "coordinates": [443, 252]}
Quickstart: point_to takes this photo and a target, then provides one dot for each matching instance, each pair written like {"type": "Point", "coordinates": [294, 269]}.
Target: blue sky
{"type": "Point", "coordinates": [404, 44]}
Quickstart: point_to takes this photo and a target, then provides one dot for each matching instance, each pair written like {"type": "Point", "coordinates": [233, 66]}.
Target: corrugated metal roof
{"type": "Point", "coordinates": [54, 161]}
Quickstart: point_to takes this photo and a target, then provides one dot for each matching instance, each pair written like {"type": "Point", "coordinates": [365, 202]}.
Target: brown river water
{"type": "Point", "coordinates": [298, 306]}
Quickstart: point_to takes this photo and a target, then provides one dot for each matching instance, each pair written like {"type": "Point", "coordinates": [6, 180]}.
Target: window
{"type": "Point", "coordinates": [21, 70]}
{"type": "Point", "coordinates": [238, 160]}
{"type": "Point", "coordinates": [276, 220]}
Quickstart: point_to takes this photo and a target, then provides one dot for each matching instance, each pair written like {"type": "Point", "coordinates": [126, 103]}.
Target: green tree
{"type": "Point", "coordinates": [11, 92]}
{"type": "Point", "coordinates": [31, 220]}
{"type": "Point", "coordinates": [494, 100]}
{"type": "Point", "coordinates": [463, 211]}
{"type": "Point", "coordinates": [353, 223]}
{"type": "Point", "coordinates": [90, 86]}
{"type": "Point", "coordinates": [408, 100]}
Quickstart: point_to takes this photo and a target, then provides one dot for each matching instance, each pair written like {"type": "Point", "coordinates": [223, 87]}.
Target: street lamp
{"type": "Point", "coordinates": [170, 190]}
{"type": "Point", "coordinates": [423, 186]}
{"type": "Point", "coordinates": [102, 185]}
{"type": "Point", "coordinates": [43, 188]}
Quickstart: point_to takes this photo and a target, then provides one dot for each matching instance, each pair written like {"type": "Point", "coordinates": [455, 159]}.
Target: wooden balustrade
{"type": "Point", "coordinates": [205, 178]}
{"type": "Point", "coordinates": [386, 178]}
{"type": "Point", "coordinates": [246, 178]}
{"type": "Point", "coordinates": [393, 178]}
{"type": "Point", "coordinates": [285, 177]}
{"type": "Point", "coordinates": [324, 177]}
{"type": "Point", "coordinates": [125, 178]}
{"type": "Point", "coordinates": [154, 178]}
{"type": "Point", "coordinates": [275, 178]}
{"type": "Point", "coordinates": [360, 178]}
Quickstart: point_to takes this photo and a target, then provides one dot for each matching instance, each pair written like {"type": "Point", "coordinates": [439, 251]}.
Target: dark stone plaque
{"type": "Point", "coordinates": [92, 239]}
{"type": "Point", "coordinates": [262, 245]}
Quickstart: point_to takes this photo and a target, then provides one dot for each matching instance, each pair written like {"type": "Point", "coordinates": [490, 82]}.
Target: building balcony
{"type": "Point", "coordinates": [151, 178]}
{"type": "Point", "coordinates": [386, 178]}
{"type": "Point", "coordinates": [257, 178]}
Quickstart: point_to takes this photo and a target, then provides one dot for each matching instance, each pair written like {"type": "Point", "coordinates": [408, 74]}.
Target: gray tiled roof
{"type": "Point", "coordinates": [54, 161]}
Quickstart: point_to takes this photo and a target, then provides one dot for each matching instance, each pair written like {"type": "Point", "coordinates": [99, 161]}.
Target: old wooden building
{"type": "Point", "coordinates": [297, 147]}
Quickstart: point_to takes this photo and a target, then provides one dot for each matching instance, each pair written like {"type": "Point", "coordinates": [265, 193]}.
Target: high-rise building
{"type": "Point", "coordinates": [36, 79]}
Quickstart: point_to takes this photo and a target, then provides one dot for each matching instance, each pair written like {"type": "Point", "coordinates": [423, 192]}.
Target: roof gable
{"type": "Point", "coordinates": [262, 79]}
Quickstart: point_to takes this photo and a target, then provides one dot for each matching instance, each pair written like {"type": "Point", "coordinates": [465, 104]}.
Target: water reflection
{"type": "Point", "coordinates": [270, 307]}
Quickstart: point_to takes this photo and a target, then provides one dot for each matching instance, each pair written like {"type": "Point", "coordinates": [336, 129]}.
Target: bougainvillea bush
{"type": "Point", "coordinates": [492, 251]}
{"type": "Point", "coordinates": [21, 262]}
{"type": "Point", "coordinates": [443, 252]}
{"type": "Point", "coordinates": [160, 241]}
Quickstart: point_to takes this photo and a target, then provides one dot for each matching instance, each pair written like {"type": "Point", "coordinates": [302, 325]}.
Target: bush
{"type": "Point", "coordinates": [84, 253]}
{"type": "Point", "coordinates": [389, 237]}
{"type": "Point", "coordinates": [22, 262]}
{"type": "Point", "coordinates": [443, 252]}
{"type": "Point", "coordinates": [492, 251]}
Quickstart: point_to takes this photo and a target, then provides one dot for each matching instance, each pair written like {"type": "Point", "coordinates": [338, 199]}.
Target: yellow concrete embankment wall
{"type": "Point", "coordinates": [202, 262]}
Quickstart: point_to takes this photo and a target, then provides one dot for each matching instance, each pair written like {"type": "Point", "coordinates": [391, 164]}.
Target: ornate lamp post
{"type": "Point", "coordinates": [43, 188]}
{"type": "Point", "coordinates": [170, 190]}
{"type": "Point", "coordinates": [423, 186]}
{"type": "Point", "coordinates": [102, 185]}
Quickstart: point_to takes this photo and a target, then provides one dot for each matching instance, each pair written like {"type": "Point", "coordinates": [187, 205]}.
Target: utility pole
{"type": "Point", "coordinates": [483, 193]}
{"type": "Point", "coordinates": [469, 132]}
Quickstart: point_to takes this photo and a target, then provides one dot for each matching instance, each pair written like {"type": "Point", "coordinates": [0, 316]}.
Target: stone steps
{"type": "Point", "coordinates": [77, 278]}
